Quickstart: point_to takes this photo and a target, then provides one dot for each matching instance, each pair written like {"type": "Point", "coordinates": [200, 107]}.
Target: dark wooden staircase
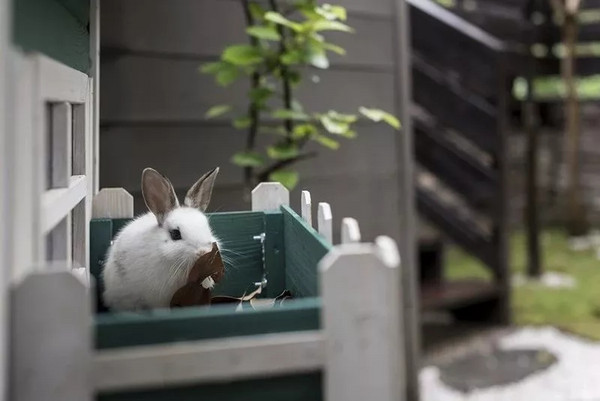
{"type": "Point", "coordinates": [460, 77]}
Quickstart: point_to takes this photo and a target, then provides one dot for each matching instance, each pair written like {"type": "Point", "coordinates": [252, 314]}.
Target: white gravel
{"type": "Point", "coordinates": [574, 377]}
{"type": "Point", "coordinates": [548, 279]}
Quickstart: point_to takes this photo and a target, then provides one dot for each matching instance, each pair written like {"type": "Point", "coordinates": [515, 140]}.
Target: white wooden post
{"type": "Point", "coordinates": [324, 221]}
{"type": "Point", "coordinates": [24, 219]}
{"type": "Point", "coordinates": [269, 196]}
{"type": "Point", "coordinates": [406, 185]}
{"type": "Point", "coordinates": [51, 341]}
{"type": "Point", "coordinates": [112, 203]}
{"type": "Point", "coordinates": [6, 101]}
{"type": "Point", "coordinates": [82, 161]}
{"type": "Point", "coordinates": [361, 319]}
{"type": "Point", "coordinates": [95, 101]}
{"type": "Point", "coordinates": [350, 232]}
{"type": "Point", "coordinates": [306, 207]}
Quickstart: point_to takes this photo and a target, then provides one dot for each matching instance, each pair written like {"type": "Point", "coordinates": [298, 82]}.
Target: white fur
{"type": "Point", "coordinates": [144, 266]}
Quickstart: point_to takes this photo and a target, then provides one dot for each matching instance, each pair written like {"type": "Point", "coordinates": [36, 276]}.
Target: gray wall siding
{"type": "Point", "coordinates": [154, 99]}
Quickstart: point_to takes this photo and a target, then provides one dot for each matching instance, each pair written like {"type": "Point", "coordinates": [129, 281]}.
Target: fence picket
{"type": "Point", "coordinates": [350, 232]}
{"type": "Point", "coordinates": [112, 203]}
{"type": "Point", "coordinates": [360, 315]}
{"type": "Point", "coordinates": [325, 223]}
{"type": "Point", "coordinates": [269, 196]}
{"type": "Point", "coordinates": [306, 207]}
{"type": "Point", "coordinates": [51, 343]}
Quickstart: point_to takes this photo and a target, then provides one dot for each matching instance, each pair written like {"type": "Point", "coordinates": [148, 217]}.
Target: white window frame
{"type": "Point", "coordinates": [50, 91]}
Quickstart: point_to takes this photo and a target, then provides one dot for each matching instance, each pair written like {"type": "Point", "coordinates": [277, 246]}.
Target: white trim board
{"type": "Point", "coordinates": [208, 361]}
{"type": "Point", "coordinates": [57, 203]}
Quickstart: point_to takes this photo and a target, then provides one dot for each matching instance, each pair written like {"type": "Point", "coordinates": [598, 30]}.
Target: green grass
{"type": "Point", "coordinates": [575, 310]}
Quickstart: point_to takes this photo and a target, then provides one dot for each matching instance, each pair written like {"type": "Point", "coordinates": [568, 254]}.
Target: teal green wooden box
{"type": "Point", "coordinates": [288, 257]}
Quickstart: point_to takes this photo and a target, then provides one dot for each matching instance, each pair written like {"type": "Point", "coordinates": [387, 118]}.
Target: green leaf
{"type": "Point", "coordinates": [378, 115]}
{"type": "Point", "coordinates": [333, 126]}
{"type": "Point", "coordinates": [317, 56]}
{"type": "Point", "coordinates": [242, 122]}
{"type": "Point", "coordinates": [256, 11]}
{"type": "Point", "coordinates": [294, 77]}
{"type": "Point", "coordinates": [327, 142]}
{"type": "Point", "coordinates": [218, 110]}
{"type": "Point", "coordinates": [287, 178]}
{"type": "Point", "coordinates": [263, 32]}
{"type": "Point", "coordinates": [227, 75]}
{"type": "Point", "coordinates": [332, 12]}
{"type": "Point", "coordinates": [260, 95]}
{"type": "Point", "coordinates": [304, 130]}
{"type": "Point", "coordinates": [211, 68]}
{"type": "Point", "coordinates": [326, 25]}
{"type": "Point", "coordinates": [345, 118]}
{"type": "Point", "coordinates": [282, 151]}
{"type": "Point", "coordinates": [243, 55]}
{"type": "Point", "coordinates": [279, 131]}
{"type": "Point", "coordinates": [284, 114]}
{"type": "Point", "coordinates": [292, 57]}
{"type": "Point", "coordinates": [281, 20]}
{"type": "Point", "coordinates": [248, 159]}
{"type": "Point", "coordinates": [334, 48]}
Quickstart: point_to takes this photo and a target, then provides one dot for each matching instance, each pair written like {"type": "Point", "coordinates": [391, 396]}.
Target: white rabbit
{"type": "Point", "coordinates": [151, 257]}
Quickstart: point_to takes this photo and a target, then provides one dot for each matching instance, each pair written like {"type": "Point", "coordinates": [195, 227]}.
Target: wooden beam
{"type": "Point", "coordinates": [407, 233]}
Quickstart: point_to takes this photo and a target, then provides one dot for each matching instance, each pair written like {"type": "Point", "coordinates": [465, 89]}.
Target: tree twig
{"type": "Point", "coordinates": [287, 88]}
{"type": "Point", "coordinates": [264, 175]}
{"type": "Point", "coordinates": [253, 111]}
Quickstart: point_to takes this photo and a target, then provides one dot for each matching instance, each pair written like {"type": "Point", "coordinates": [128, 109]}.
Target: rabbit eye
{"type": "Point", "coordinates": [175, 234]}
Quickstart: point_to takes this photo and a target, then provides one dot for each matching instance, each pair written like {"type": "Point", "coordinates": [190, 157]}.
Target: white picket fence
{"type": "Point", "coordinates": [47, 205]}
{"type": "Point", "coordinates": [359, 348]}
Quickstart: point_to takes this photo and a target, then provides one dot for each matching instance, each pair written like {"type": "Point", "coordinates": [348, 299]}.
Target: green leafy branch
{"type": "Point", "coordinates": [281, 44]}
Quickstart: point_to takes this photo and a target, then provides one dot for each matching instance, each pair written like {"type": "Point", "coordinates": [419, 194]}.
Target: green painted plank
{"type": "Point", "coordinates": [54, 28]}
{"type": "Point", "coordinates": [242, 253]}
{"type": "Point", "coordinates": [274, 254]}
{"type": "Point", "coordinates": [304, 248]}
{"type": "Point", "coordinates": [80, 9]}
{"type": "Point", "coordinates": [163, 326]}
{"type": "Point", "coordinates": [305, 387]}
{"type": "Point", "coordinates": [101, 233]}
{"type": "Point", "coordinates": [118, 224]}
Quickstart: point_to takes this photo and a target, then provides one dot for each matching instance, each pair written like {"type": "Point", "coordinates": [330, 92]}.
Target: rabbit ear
{"type": "Point", "coordinates": [199, 194]}
{"type": "Point", "coordinates": [158, 193]}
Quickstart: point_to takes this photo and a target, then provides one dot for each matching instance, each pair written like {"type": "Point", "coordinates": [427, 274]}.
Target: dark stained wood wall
{"type": "Point", "coordinates": [154, 99]}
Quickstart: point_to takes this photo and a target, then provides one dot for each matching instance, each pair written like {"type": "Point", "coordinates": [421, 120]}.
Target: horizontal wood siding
{"type": "Point", "coordinates": [57, 28]}
{"type": "Point", "coordinates": [154, 100]}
